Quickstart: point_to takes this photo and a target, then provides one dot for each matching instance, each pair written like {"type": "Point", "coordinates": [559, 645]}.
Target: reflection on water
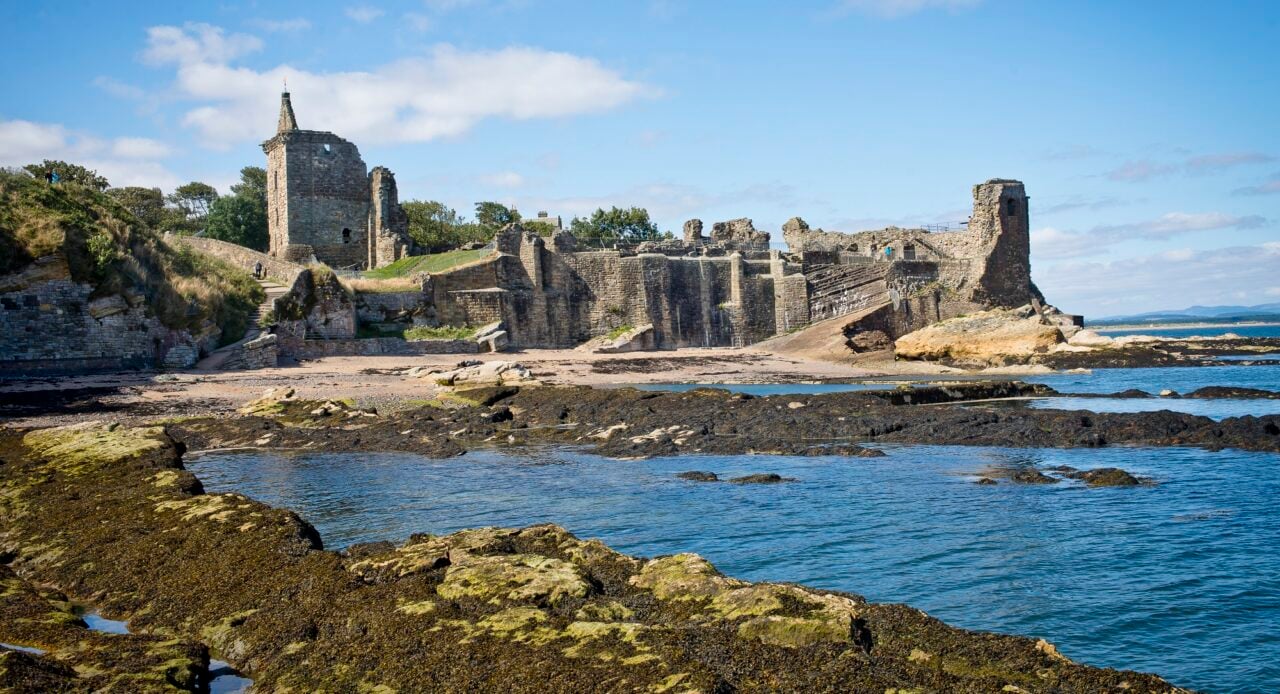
{"type": "Point", "coordinates": [1182, 578]}
{"type": "Point", "coordinates": [99, 623]}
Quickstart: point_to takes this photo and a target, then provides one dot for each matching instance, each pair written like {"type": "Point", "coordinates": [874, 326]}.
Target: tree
{"type": "Point", "coordinates": [194, 199]}
{"type": "Point", "coordinates": [253, 184]}
{"type": "Point", "coordinates": [238, 219]}
{"type": "Point", "coordinates": [437, 227]}
{"type": "Point", "coordinates": [628, 226]}
{"type": "Point", "coordinates": [492, 216]}
{"type": "Point", "coordinates": [147, 204]}
{"type": "Point", "coordinates": [69, 173]}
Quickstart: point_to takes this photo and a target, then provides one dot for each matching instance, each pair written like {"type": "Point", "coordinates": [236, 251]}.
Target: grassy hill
{"type": "Point", "coordinates": [111, 250]}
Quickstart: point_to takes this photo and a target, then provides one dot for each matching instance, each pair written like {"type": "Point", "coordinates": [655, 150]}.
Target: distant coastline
{"type": "Point", "coordinates": [1166, 325]}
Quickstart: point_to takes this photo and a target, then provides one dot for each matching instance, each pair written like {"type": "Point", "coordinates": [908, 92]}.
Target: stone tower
{"type": "Point", "coordinates": [1001, 226]}
{"type": "Point", "coordinates": [322, 202]}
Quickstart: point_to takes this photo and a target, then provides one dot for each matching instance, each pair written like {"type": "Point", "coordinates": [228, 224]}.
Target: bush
{"type": "Point", "coordinates": [107, 247]}
{"type": "Point", "coordinates": [443, 332]}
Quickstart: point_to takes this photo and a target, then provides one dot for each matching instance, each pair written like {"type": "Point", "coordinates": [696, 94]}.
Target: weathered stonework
{"type": "Point", "coordinates": [324, 205]}
{"type": "Point", "coordinates": [49, 322]}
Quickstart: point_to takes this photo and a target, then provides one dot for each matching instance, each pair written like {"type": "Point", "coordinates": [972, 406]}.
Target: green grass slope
{"type": "Point", "coordinates": [111, 250]}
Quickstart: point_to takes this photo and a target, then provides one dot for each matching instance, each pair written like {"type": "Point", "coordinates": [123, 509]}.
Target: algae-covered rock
{"type": "Point", "coordinates": [78, 448]}
{"type": "Point", "coordinates": [516, 578]}
{"type": "Point", "coordinates": [793, 632]}
{"type": "Point", "coordinates": [683, 577]}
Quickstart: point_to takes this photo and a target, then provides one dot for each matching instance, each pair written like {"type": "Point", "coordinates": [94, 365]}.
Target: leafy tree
{"type": "Point", "coordinates": [540, 228]}
{"type": "Point", "coordinates": [147, 204]}
{"type": "Point", "coordinates": [253, 184]}
{"type": "Point", "coordinates": [494, 215]}
{"type": "Point", "coordinates": [194, 199]}
{"type": "Point", "coordinates": [69, 173]}
{"type": "Point", "coordinates": [437, 227]}
{"type": "Point", "coordinates": [628, 226]}
{"type": "Point", "coordinates": [238, 219]}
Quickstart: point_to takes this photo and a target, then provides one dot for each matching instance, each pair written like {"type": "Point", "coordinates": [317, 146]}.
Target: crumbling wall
{"type": "Point", "coordinates": [388, 223]}
{"type": "Point", "coordinates": [50, 323]}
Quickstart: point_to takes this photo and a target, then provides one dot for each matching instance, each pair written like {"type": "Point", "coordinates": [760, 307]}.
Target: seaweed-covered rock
{"type": "Point", "coordinates": [698, 476]}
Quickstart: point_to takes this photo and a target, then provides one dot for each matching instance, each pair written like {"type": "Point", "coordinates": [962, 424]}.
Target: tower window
{"type": "Point", "coordinates": [855, 248]}
{"type": "Point", "coordinates": [1011, 207]}
{"type": "Point", "coordinates": [908, 252]}
{"type": "Point", "coordinates": [327, 149]}
{"type": "Point", "coordinates": [346, 236]}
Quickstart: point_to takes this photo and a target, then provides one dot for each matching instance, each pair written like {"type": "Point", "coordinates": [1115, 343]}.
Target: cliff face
{"type": "Point", "coordinates": [85, 285]}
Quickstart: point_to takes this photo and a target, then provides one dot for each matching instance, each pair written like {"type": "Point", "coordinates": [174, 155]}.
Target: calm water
{"type": "Point", "coordinates": [1182, 578]}
{"type": "Point", "coordinates": [1215, 409]}
{"type": "Point", "coordinates": [1241, 330]}
{"type": "Point", "coordinates": [1182, 379]}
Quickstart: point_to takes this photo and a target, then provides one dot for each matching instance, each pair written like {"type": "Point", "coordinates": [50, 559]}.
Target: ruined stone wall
{"type": "Point", "coordinates": [330, 309]}
{"type": "Point", "coordinates": [50, 323]}
{"type": "Point", "coordinates": [318, 195]}
{"type": "Point", "coordinates": [388, 224]}
{"type": "Point", "coordinates": [276, 269]}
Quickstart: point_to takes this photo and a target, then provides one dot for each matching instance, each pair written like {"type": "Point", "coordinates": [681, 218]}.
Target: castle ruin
{"type": "Point", "coordinates": [323, 204]}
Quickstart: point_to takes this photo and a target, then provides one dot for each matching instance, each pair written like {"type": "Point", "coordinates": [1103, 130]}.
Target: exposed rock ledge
{"type": "Point", "coordinates": [109, 516]}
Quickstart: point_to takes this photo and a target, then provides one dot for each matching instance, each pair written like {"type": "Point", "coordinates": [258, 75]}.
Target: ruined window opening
{"type": "Point", "coordinates": [855, 248]}
{"type": "Point", "coordinates": [908, 252]}
{"type": "Point", "coordinates": [346, 236]}
{"type": "Point", "coordinates": [1011, 206]}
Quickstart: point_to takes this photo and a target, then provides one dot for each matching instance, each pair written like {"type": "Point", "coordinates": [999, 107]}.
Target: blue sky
{"type": "Point", "coordinates": [1145, 132]}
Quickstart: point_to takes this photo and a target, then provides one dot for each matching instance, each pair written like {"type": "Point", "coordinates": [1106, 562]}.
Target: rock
{"type": "Point", "coordinates": [1166, 393]}
{"type": "Point", "coordinates": [1233, 392]}
{"type": "Point", "coordinates": [1030, 475]}
{"type": "Point", "coordinates": [638, 339]}
{"type": "Point", "coordinates": [994, 338]}
{"type": "Point", "coordinates": [761, 478]}
{"type": "Point", "coordinates": [985, 480]}
{"type": "Point", "coordinates": [1089, 338]}
{"type": "Point", "coordinates": [1106, 477]}
{"type": "Point", "coordinates": [794, 405]}
{"type": "Point", "coordinates": [489, 372]}
{"type": "Point", "coordinates": [698, 476]}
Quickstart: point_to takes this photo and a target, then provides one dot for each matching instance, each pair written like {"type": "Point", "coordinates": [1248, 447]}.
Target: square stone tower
{"type": "Point", "coordinates": [322, 203]}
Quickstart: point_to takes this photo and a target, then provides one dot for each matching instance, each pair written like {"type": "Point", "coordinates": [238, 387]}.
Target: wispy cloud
{"type": "Point", "coordinates": [281, 26]}
{"type": "Point", "coordinates": [1175, 223]}
{"type": "Point", "coordinates": [444, 93]}
{"type": "Point", "coordinates": [363, 13]}
{"type": "Point", "coordinates": [890, 9]}
{"type": "Point", "coordinates": [1269, 187]}
{"type": "Point", "coordinates": [1077, 203]}
{"type": "Point", "coordinates": [1217, 162]}
{"type": "Point", "coordinates": [1054, 243]}
{"type": "Point", "coordinates": [1140, 171]}
{"type": "Point", "coordinates": [417, 21]}
{"type": "Point", "coordinates": [1239, 274]}
{"type": "Point", "coordinates": [1145, 169]}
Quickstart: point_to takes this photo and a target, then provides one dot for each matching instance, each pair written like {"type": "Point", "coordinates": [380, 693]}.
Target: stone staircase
{"type": "Point", "coordinates": [222, 355]}
{"type": "Point", "coordinates": [836, 290]}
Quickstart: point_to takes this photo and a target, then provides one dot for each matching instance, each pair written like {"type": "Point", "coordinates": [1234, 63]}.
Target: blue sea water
{"type": "Point", "coordinates": [769, 388]}
{"type": "Point", "coordinates": [1181, 578]}
{"type": "Point", "coordinates": [1241, 330]}
{"type": "Point", "coordinates": [1182, 379]}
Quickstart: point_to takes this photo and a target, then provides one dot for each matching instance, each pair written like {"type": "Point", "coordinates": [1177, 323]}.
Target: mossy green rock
{"type": "Point", "coordinates": [513, 578]}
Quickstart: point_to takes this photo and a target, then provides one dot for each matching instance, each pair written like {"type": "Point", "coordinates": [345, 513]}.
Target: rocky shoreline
{"type": "Point", "coordinates": [105, 515]}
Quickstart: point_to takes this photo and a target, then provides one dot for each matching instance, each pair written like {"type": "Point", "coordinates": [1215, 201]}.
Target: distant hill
{"type": "Point", "coordinates": [1196, 314]}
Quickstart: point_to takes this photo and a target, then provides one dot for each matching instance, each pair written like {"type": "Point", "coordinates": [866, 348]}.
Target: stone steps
{"type": "Point", "coordinates": [218, 357]}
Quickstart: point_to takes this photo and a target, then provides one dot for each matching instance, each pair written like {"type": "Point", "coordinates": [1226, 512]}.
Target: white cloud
{"type": "Point", "coordinates": [1049, 242]}
{"type": "Point", "coordinates": [363, 13]}
{"type": "Point", "coordinates": [898, 8]}
{"type": "Point", "coordinates": [139, 148]}
{"type": "Point", "coordinates": [125, 161]}
{"type": "Point", "coordinates": [1132, 285]}
{"type": "Point", "coordinates": [503, 179]}
{"type": "Point", "coordinates": [416, 99]}
{"type": "Point", "coordinates": [196, 43]}
{"type": "Point", "coordinates": [282, 26]}
{"type": "Point", "coordinates": [1272, 291]}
